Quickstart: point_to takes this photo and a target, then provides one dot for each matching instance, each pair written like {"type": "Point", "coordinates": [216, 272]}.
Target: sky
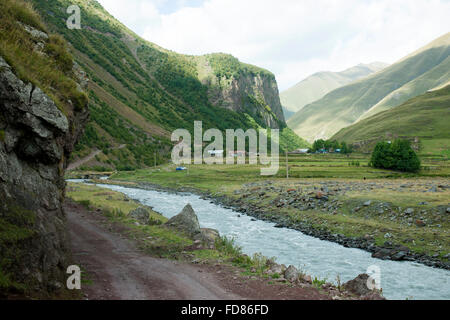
{"type": "Point", "coordinates": [291, 38]}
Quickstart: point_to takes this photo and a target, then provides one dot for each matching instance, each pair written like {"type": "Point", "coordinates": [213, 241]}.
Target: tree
{"type": "Point", "coordinates": [404, 156]}
{"type": "Point", "coordinates": [397, 156]}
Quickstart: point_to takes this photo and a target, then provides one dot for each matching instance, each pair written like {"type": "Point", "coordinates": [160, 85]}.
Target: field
{"type": "Point", "coordinates": [219, 178]}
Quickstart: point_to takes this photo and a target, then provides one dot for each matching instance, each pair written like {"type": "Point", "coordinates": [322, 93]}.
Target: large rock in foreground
{"type": "Point", "coordinates": [186, 221]}
{"type": "Point", "coordinates": [36, 139]}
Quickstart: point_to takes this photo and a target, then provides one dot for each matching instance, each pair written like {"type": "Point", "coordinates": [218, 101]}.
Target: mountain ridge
{"type": "Point", "coordinates": [423, 120]}
{"type": "Point", "coordinates": [346, 105]}
{"type": "Point", "coordinates": [315, 86]}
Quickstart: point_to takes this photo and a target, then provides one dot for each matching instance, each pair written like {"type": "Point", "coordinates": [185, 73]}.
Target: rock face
{"type": "Point", "coordinates": [36, 139]}
{"type": "Point", "coordinates": [186, 221]}
{"type": "Point", "coordinates": [255, 94]}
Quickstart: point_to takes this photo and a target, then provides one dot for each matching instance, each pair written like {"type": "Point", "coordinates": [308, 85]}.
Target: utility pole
{"type": "Point", "coordinates": [287, 165]}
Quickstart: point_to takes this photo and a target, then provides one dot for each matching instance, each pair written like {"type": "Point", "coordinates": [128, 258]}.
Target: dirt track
{"type": "Point", "coordinates": [117, 270]}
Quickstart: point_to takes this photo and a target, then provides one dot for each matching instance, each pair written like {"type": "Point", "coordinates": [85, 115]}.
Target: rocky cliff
{"type": "Point", "coordinates": [243, 88]}
{"type": "Point", "coordinates": [36, 138]}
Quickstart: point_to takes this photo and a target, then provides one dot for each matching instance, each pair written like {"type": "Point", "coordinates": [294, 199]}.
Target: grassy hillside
{"type": "Point", "coordinates": [414, 75]}
{"type": "Point", "coordinates": [319, 84]}
{"type": "Point", "coordinates": [49, 67]}
{"type": "Point", "coordinates": [426, 117]}
{"type": "Point", "coordinates": [139, 91]}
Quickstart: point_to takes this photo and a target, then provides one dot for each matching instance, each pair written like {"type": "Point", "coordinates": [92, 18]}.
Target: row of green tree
{"type": "Point", "coordinates": [331, 146]}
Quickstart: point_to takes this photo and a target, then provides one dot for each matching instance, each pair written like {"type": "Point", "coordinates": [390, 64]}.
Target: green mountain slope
{"type": "Point", "coordinates": [424, 118]}
{"type": "Point", "coordinates": [319, 84]}
{"type": "Point", "coordinates": [141, 92]}
{"type": "Point", "coordinates": [424, 69]}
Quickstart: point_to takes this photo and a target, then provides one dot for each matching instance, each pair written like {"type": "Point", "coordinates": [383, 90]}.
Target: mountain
{"type": "Point", "coordinates": [423, 119]}
{"type": "Point", "coordinates": [319, 84]}
{"type": "Point", "coordinates": [139, 92]}
{"type": "Point", "coordinates": [425, 69]}
{"type": "Point", "coordinates": [43, 112]}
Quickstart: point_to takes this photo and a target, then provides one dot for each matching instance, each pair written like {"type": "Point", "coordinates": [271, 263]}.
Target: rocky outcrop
{"type": "Point", "coordinates": [185, 221]}
{"type": "Point", "coordinates": [36, 139]}
{"type": "Point", "coordinates": [255, 94]}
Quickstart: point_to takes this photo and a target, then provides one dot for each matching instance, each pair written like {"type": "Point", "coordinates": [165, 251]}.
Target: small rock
{"type": "Point", "coordinates": [291, 274]}
{"type": "Point", "coordinates": [420, 223]}
{"type": "Point", "coordinates": [367, 203]}
{"type": "Point", "coordinates": [399, 256]}
{"type": "Point", "coordinates": [358, 285]}
{"type": "Point", "coordinates": [409, 211]}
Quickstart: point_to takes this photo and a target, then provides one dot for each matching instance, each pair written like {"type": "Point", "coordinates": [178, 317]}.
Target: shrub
{"type": "Point", "coordinates": [397, 156]}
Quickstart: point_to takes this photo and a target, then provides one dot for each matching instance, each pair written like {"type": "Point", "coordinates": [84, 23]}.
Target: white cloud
{"type": "Point", "coordinates": [292, 38]}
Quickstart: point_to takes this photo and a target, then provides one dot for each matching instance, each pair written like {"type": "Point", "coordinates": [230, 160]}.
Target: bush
{"type": "Point", "coordinates": [397, 156]}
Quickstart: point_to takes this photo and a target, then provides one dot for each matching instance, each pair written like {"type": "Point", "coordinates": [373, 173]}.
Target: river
{"type": "Point", "coordinates": [324, 259]}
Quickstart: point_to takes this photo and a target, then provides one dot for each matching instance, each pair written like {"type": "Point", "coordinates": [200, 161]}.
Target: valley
{"type": "Point", "coordinates": [89, 176]}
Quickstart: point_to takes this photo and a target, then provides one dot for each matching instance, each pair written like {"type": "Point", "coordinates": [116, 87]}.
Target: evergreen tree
{"type": "Point", "coordinates": [397, 156]}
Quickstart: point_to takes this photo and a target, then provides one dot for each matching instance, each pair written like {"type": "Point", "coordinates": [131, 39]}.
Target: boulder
{"type": "Point", "coordinates": [358, 285]}
{"type": "Point", "coordinates": [186, 221]}
{"type": "Point", "coordinates": [141, 214]}
{"type": "Point", "coordinates": [208, 236]}
{"type": "Point", "coordinates": [291, 274]}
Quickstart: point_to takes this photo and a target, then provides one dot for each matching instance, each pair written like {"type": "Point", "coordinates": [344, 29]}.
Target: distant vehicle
{"type": "Point", "coordinates": [181, 168]}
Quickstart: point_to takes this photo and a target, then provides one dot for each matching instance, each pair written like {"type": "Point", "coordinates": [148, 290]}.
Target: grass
{"type": "Point", "coordinates": [227, 178]}
{"type": "Point", "coordinates": [109, 201]}
{"type": "Point", "coordinates": [52, 72]}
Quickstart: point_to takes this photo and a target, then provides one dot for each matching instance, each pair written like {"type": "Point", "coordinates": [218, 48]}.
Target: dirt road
{"type": "Point", "coordinates": [118, 270]}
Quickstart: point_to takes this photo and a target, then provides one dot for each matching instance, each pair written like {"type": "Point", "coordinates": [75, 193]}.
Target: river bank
{"type": "Point", "coordinates": [248, 200]}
